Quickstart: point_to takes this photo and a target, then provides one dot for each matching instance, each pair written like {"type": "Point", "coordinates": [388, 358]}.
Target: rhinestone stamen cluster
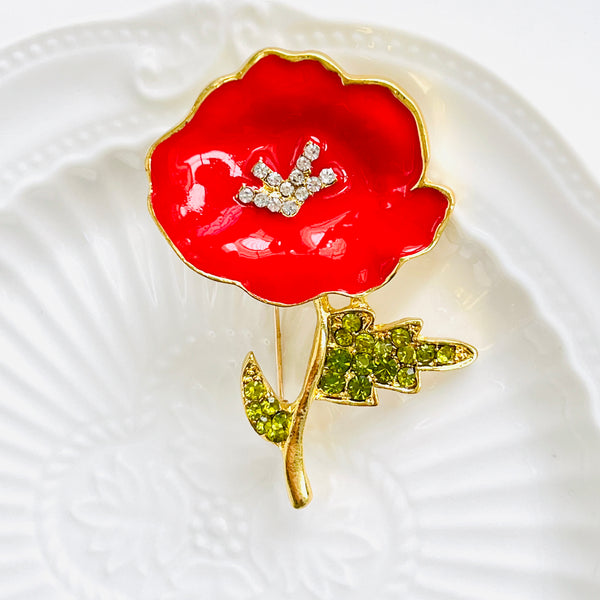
{"type": "Point", "coordinates": [286, 196]}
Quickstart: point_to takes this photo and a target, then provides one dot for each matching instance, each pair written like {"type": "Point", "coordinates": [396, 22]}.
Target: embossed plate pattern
{"type": "Point", "coordinates": [127, 468]}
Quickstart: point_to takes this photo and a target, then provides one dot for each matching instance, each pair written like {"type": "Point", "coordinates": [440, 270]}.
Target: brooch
{"type": "Point", "coordinates": [294, 180]}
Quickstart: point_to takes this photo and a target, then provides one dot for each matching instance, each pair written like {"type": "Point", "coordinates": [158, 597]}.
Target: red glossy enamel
{"type": "Point", "coordinates": [348, 237]}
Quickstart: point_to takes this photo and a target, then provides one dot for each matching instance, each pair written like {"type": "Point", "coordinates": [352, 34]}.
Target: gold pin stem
{"type": "Point", "coordinates": [298, 484]}
{"type": "Point", "coordinates": [278, 354]}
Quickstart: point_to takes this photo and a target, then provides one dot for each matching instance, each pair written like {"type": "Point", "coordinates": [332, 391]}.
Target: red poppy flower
{"type": "Point", "coordinates": [365, 206]}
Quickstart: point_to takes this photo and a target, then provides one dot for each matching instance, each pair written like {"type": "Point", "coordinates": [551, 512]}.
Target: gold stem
{"type": "Point", "coordinates": [298, 484]}
{"type": "Point", "coordinates": [278, 355]}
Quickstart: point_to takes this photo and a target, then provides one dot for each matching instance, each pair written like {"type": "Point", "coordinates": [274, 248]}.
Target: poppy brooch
{"type": "Point", "coordinates": [294, 180]}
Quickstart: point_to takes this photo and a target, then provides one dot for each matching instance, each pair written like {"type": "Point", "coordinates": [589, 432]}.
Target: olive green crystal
{"type": "Point", "coordinates": [352, 322]}
{"type": "Point", "coordinates": [263, 425]}
{"type": "Point", "coordinates": [445, 355]}
{"type": "Point", "coordinates": [407, 378]}
{"type": "Point", "coordinates": [332, 383]}
{"type": "Point", "coordinates": [400, 336]}
{"type": "Point", "coordinates": [361, 363]}
{"type": "Point", "coordinates": [338, 360]}
{"type": "Point", "coordinates": [280, 425]}
{"type": "Point", "coordinates": [359, 388]}
{"type": "Point", "coordinates": [254, 390]}
{"type": "Point", "coordinates": [269, 406]}
{"type": "Point", "coordinates": [276, 436]}
{"type": "Point", "coordinates": [253, 411]}
{"type": "Point", "coordinates": [425, 354]}
{"type": "Point", "coordinates": [383, 349]}
{"type": "Point", "coordinates": [343, 337]}
{"type": "Point", "coordinates": [385, 370]}
{"type": "Point", "coordinates": [406, 355]}
{"type": "Point", "coordinates": [364, 342]}
{"type": "Point", "coordinates": [281, 420]}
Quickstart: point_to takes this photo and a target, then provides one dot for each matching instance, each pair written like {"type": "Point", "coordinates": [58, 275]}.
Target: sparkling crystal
{"type": "Point", "coordinates": [303, 163]}
{"type": "Point", "coordinates": [400, 336]}
{"type": "Point", "coordinates": [274, 179]}
{"type": "Point", "coordinates": [263, 425]}
{"type": "Point", "coordinates": [364, 342]}
{"type": "Point", "coordinates": [445, 355]}
{"type": "Point", "coordinates": [385, 370]}
{"type": "Point", "coordinates": [352, 322]}
{"type": "Point", "coordinates": [286, 188]}
{"type": "Point", "coordinates": [254, 390]}
{"type": "Point", "coordinates": [383, 349]}
{"type": "Point", "coordinates": [246, 194]}
{"type": "Point", "coordinates": [261, 199]}
{"type": "Point", "coordinates": [343, 337]}
{"type": "Point", "coordinates": [327, 176]}
{"type": "Point", "coordinates": [281, 420]}
{"type": "Point", "coordinates": [406, 354]}
{"type": "Point", "coordinates": [297, 177]}
{"type": "Point", "coordinates": [359, 388]}
{"type": "Point", "coordinates": [274, 203]}
{"type": "Point", "coordinates": [425, 354]}
{"type": "Point", "coordinates": [313, 184]}
{"type": "Point", "coordinates": [290, 208]}
{"type": "Point", "coordinates": [311, 151]}
{"type": "Point", "coordinates": [269, 406]}
{"type": "Point", "coordinates": [332, 382]}
{"type": "Point", "coordinates": [280, 427]}
{"type": "Point", "coordinates": [407, 378]}
{"type": "Point", "coordinates": [276, 435]}
{"type": "Point", "coordinates": [260, 170]}
{"type": "Point", "coordinates": [338, 360]}
{"type": "Point", "coordinates": [301, 193]}
{"type": "Point", "coordinates": [253, 411]}
{"type": "Point", "coordinates": [361, 363]}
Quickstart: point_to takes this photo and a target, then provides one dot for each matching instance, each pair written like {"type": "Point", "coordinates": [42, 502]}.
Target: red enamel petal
{"type": "Point", "coordinates": [348, 237]}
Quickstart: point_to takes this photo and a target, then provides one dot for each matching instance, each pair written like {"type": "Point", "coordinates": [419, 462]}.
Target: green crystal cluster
{"type": "Point", "coordinates": [263, 409]}
{"type": "Point", "coordinates": [360, 357]}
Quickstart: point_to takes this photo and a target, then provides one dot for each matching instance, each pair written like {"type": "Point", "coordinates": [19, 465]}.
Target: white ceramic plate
{"type": "Point", "coordinates": [127, 467]}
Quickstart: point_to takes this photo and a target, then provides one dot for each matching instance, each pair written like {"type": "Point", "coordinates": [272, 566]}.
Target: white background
{"type": "Point", "coordinates": [548, 51]}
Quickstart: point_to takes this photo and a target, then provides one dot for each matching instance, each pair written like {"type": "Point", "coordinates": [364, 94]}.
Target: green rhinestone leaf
{"type": "Point", "coordinates": [361, 363]}
{"type": "Point", "coordinates": [364, 342]}
{"type": "Point", "coordinates": [385, 370]}
{"type": "Point", "coordinates": [332, 383]}
{"type": "Point", "coordinates": [445, 355]}
{"type": "Point", "coordinates": [352, 322]}
{"type": "Point", "coordinates": [254, 390]}
{"type": "Point", "coordinates": [425, 354]}
{"type": "Point", "coordinates": [407, 378]}
{"type": "Point", "coordinates": [343, 337]}
{"type": "Point", "coordinates": [338, 360]}
{"type": "Point", "coordinates": [406, 355]}
{"type": "Point", "coordinates": [359, 388]}
{"type": "Point", "coordinates": [400, 336]}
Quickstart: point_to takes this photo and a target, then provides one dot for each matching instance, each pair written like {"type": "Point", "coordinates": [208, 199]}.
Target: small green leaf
{"type": "Point", "coordinates": [263, 409]}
